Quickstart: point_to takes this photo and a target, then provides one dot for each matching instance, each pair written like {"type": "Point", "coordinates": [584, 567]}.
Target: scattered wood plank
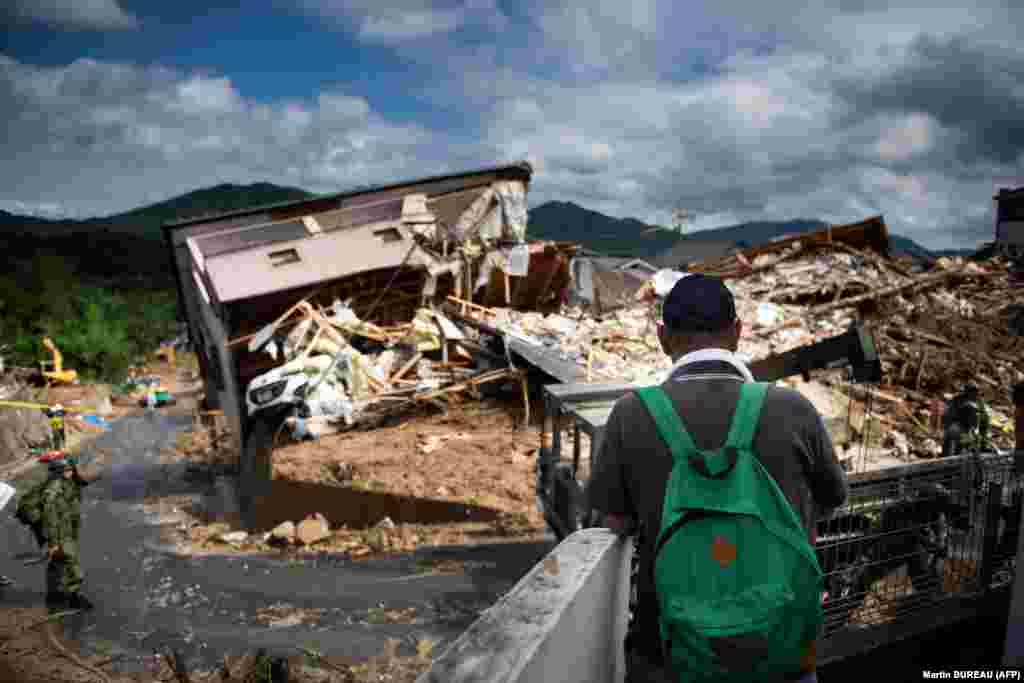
{"type": "Point", "coordinates": [745, 272]}
{"type": "Point", "coordinates": [768, 331]}
{"type": "Point", "coordinates": [920, 369]}
{"type": "Point", "coordinates": [304, 303]}
{"type": "Point", "coordinates": [71, 656]}
{"type": "Point", "coordinates": [524, 386]}
{"type": "Point", "coordinates": [463, 304]}
{"type": "Point", "coordinates": [874, 258]}
{"type": "Point", "coordinates": [481, 378]}
{"type": "Point", "coordinates": [919, 283]}
{"type": "Point", "coordinates": [930, 337]}
{"type": "Point", "coordinates": [405, 368]}
{"type": "Point", "coordinates": [449, 329]}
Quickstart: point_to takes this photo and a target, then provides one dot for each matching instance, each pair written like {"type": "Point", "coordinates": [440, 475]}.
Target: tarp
{"type": "Point", "coordinates": [599, 284]}
{"type": "Point", "coordinates": [6, 493]}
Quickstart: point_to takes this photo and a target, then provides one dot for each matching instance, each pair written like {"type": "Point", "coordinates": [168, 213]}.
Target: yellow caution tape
{"type": "Point", "coordinates": [43, 406]}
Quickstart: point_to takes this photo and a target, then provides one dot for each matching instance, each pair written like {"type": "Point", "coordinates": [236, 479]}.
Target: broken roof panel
{"type": "Point", "coordinates": [363, 214]}
{"type": "Point", "coordinates": [870, 233]}
{"type": "Point", "coordinates": [260, 235]}
{"type": "Point", "coordinates": [297, 263]}
{"type": "Point", "coordinates": [449, 207]}
{"type": "Point", "coordinates": [439, 184]}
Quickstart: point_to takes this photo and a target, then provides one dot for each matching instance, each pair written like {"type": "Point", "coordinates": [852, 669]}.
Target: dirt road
{"type": "Point", "coordinates": [148, 598]}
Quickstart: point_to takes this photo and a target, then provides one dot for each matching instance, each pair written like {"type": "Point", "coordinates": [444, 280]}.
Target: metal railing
{"type": "Point", "coordinates": [911, 537]}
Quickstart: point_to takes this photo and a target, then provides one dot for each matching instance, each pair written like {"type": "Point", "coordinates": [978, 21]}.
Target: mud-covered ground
{"type": "Point", "coordinates": [336, 615]}
{"type": "Point", "coordinates": [465, 475]}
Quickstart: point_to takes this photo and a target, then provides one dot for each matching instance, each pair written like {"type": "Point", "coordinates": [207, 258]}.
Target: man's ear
{"type": "Point", "coordinates": [738, 332]}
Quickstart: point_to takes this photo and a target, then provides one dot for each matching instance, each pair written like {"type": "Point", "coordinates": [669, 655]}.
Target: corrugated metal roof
{"type": "Point", "coordinates": [522, 166]}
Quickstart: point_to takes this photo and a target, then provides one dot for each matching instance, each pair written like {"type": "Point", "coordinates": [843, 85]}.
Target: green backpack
{"type": "Point", "coordinates": [738, 582]}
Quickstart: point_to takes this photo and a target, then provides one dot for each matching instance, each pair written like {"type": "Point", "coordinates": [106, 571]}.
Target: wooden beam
{"type": "Point", "coordinates": [927, 281]}
{"type": "Point", "coordinates": [465, 384]}
{"type": "Point", "coordinates": [874, 258]}
{"type": "Point", "coordinates": [408, 366]}
{"type": "Point", "coordinates": [920, 369]}
{"type": "Point", "coordinates": [792, 322]}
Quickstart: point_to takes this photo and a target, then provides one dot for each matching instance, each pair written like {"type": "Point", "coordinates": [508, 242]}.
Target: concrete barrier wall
{"type": "Point", "coordinates": [564, 622]}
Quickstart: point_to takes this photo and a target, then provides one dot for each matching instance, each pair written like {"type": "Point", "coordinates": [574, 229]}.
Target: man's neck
{"type": "Point", "coordinates": [680, 356]}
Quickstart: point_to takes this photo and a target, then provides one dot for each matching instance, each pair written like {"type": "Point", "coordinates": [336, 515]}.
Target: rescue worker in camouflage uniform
{"type": "Point", "coordinates": [61, 522]}
{"type": "Point", "coordinates": [966, 423]}
{"type": "Point", "coordinates": [6, 494]}
{"type": "Point", "coordinates": [1017, 396]}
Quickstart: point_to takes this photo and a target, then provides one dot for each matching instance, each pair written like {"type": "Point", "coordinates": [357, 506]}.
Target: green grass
{"type": "Point", "coordinates": [99, 332]}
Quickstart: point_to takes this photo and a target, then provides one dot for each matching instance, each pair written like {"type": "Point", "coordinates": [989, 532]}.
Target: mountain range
{"type": "Point", "coordinates": [128, 246]}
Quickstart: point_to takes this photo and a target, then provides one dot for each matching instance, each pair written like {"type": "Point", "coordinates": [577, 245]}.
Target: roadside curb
{"type": "Point", "coordinates": [430, 551]}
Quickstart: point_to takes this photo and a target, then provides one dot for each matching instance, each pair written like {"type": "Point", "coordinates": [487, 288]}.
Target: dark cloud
{"type": "Point", "coordinates": [734, 111]}
{"type": "Point", "coordinates": [972, 89]}
{"type": "Point", "coordinates": [94, 15]}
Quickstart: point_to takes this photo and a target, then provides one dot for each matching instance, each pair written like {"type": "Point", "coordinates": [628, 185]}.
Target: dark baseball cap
{"type": "Point", "coordinates": [698, 303]}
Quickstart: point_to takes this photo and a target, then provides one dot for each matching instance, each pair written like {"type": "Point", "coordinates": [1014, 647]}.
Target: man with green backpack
{"type": "Point", "coordinates": [724, 479]}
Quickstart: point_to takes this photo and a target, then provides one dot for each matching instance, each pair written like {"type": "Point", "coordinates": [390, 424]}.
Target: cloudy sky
{"type": "Point", "coordinates": [731, 109]}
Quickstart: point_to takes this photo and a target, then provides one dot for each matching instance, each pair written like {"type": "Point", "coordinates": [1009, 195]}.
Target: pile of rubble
{"type": "Point", "coordinates": [340, 386]}
{"type": "Point", "coordinates": [935, 331]}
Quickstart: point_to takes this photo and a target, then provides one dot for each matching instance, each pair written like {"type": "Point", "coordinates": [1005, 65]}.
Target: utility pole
{"type": "Point", "coordinates": [680, 219]}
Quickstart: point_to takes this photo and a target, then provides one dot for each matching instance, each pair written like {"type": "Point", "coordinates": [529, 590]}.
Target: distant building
{"type": "Point", "coordinates": [693, 251]}
{"type": "Point", "coordinates": [1010, 220]}
{"type": "Point", "coordinates": [606, 283]}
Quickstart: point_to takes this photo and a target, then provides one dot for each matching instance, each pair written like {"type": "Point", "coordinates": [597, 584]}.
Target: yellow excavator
{"type": "Point", "coordinates": [166, 353]}
{"type": "Point", "coordinates": [57, 373]}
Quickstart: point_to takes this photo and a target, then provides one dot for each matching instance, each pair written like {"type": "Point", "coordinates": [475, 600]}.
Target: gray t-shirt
{"type": "Point", "coordinates": [633, 463]}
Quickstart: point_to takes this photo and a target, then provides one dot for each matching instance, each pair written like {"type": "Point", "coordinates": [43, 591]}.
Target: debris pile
{"type": "Point", "coordinates": [333, 384]}
{"type": "Point", "coordinates": [935, 330]}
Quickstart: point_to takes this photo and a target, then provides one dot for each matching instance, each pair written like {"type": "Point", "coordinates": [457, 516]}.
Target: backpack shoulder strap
{"type": "Point", "coordinates": [666, 419]}
{"type": "Point", "coordinates": [747, 415]}
{"type": "Point", "coordinates": [714, 463]}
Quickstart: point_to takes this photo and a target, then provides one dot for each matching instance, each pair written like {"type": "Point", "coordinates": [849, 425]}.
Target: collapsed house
{"type": "Point", "coordinates": [353, 307]}
{"type": "Point", "coordinates": [303, 277]}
